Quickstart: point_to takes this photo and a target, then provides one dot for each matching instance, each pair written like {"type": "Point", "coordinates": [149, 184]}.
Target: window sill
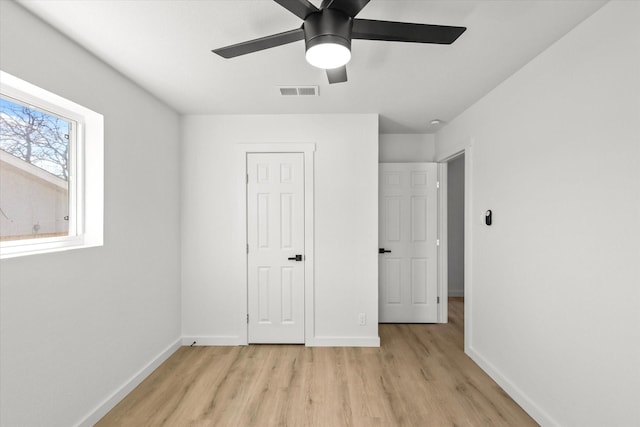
{"type": "Point", "coordinates": [46, 245]}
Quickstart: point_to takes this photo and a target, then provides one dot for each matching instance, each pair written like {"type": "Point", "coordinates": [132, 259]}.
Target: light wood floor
{"type": "Point", "coordinates": [419, 376]}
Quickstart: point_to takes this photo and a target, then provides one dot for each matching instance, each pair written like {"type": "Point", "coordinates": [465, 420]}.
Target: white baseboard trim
{"type": "Point", "coordinates": [110, 402]}
{"type": "Point", "coordinates": [456, 292]}
{"type": "Point", "coordinates": [232, 340]}
{"type": "Point", "coordinates": [215, 340]}
{"type": "Point", "coordinates": [343, 342]}
{"type": "Point", "coordinates": [530, 407]}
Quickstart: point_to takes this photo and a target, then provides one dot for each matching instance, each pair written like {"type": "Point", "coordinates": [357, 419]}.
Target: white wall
{"type": "Point", "coordinates": [555, 282]}
{"type": "Point", "coordinates": [346, 223]}
{"type": "Point", "coordinates": [398, 147]}
{"type": "Point", "coordinates": [455, 226]}
{"type": "Point", "coordinates": [77, 325]}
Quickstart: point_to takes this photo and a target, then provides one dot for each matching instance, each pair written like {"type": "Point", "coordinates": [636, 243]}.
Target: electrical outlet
{"type": "Point", "coordinates": [362, 319]}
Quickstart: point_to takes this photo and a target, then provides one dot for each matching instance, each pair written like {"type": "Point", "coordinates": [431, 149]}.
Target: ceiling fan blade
{"type": "Point", "coordinates": [337, 75]}
{"type": "Point", "coordinates": [300, 8]}
{"type": "Point", "coordinates": [366, 29]}
{"type": "Point", "coordinates": [260, 44]}
{"type": "Point", "coordinates": [350, 7]}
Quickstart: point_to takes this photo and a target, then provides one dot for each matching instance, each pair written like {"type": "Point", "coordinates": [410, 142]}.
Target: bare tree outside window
{"type": "Point", "coordinates": [34, 172]}
{"type": "Point", "coordinates": [35, 137]}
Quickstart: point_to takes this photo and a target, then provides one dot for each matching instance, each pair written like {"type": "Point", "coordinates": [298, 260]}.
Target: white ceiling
{"type": "Point", "coordinates": [165, 47]}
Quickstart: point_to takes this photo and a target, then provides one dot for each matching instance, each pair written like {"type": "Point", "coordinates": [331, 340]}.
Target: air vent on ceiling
{"type": "Point", "coordinates": [298, 90]}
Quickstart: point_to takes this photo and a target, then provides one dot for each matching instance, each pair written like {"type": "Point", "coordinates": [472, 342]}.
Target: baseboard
{"type": "Point", "coordinates": [109, 403]}
{"type": "Point", "coordinates": [530, 407]}
{"type": "Point", "coordinates": [343, 342]}
{"type": "Point", "coordinates": [456, 292]}
{"type": "Point", "coordinates": [221, 340]}
{"type": "Point", "coordinates": [231, 340]}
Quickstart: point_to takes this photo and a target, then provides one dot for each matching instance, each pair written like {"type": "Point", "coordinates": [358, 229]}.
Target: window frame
{"type": "Point", "coordinates": [86, 175]}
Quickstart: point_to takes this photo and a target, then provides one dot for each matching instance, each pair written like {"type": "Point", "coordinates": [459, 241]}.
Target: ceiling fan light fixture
{"type": "Point", "coordinates": [328, 55]}
{"type": "Point", "coordinates": [327, 39]}
{"type": "Point", "coordinates": [328, 30]}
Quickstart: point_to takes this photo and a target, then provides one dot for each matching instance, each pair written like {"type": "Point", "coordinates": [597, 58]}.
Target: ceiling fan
{"type": "Point", "coordinates": [328, 31]}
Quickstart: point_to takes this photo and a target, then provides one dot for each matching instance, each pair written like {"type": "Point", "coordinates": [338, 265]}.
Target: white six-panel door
{"type": "Point", "coordinates": [408, 275]}
{"type": "Point", "coordinates": [275, 232]}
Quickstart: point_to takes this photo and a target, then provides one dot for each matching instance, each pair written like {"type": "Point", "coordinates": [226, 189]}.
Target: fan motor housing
{"type": "Point", "coordinates": [327, 26]}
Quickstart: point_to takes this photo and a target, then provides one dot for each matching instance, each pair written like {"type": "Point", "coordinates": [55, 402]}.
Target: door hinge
{"type": "Point", "coordinates": [438, 300]}
{"type": "Point", "coordinates": [437, 242]}
{"type": "Point", "coordinates": [247, 248]}
{"type": "Point", "coordinates": [247, 178]}
{"type": "Point", "coordinates": [247, 318]}
{"type": "Point", "coordinates": [437, 184]}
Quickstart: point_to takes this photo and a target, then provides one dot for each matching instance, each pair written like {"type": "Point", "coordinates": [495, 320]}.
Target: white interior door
{"type": "Point", "coordinates": [275, 232]}
{"type": "Point", "coordinates": [408, 275]}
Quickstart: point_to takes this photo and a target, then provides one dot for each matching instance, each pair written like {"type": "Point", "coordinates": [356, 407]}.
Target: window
{"type": "Point", "coordinates": [36, 173]}
{"type": "Point", "coordinates": [51, 180]}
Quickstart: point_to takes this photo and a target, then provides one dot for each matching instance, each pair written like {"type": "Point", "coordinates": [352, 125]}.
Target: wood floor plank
{"type": "Point", "coordinates": [419, 376]}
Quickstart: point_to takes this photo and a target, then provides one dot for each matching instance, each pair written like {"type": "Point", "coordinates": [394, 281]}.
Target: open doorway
{"type": "Point", "coordinates": [456, 238]}
{"type": "Point", "coordinates": [455, 223]}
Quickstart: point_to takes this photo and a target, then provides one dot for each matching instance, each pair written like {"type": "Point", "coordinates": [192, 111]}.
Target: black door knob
{"type": "Point", "coordinates": [295, 258]}
{"type": "Point", "coordinates": [383, 250]}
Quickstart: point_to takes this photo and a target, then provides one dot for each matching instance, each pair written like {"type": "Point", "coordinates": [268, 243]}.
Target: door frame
{"type": "Point", "coordinates": [443, 259]}
{"type": "Point", "coordinates": [308, 151]}
{"type": "Point", "coordinates": [467, 150]}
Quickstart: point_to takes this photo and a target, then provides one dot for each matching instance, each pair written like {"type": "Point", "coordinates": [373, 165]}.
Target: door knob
{"type": "Point", "coordinates": [295, 258]}
{"type": "Point", "coordinates": [383, 250]}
